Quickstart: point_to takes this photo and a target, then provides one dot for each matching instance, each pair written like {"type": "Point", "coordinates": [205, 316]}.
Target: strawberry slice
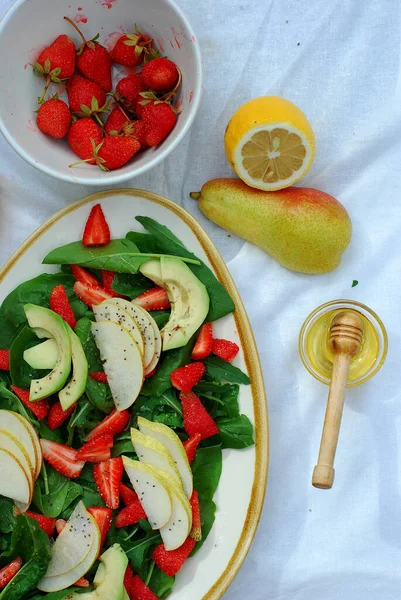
{"type": "Point", "coordinates": [82, 582]}
{"type": "Point", "coordinates": [128, 496]}
{"type": "Point", "coordinates": [154, 299]}
{"type": "Point", "coordinates": [8, 572]}
{"type": "Point", "coordinates": [4, 360]}
{"type": "Point", "coordinates": [185, 378]}
{"type": "Point", "coordinates": [39, 408]}
{"type": "Point", "coordinates": [107, 279]}
{"type": "Point", "coordinates": [60, 524]}
{"type": "Point", "coordinates": [57, 415]}
{"type": "Point", "coordinates": [114, 423]}
{"type": "Point", "coordinates": [191, 445]}
{"type": "Point", "coordinates": [100, 376]}
{"type": "Point", "coordinates": [203, 345]}
{"type": "Point", "coordinates": [225, 349]}
{"type": "Point", "coordinates": [130, 515]}
{"type": "Point", "coordinates": [97, 232]}
{"type": "Point", "coordinates": [103, 517]}
{"type": "Point", "coordinates": [60, 304]}
{"type": "Point", "coordinates": [196, 531]}
{"type": "Point", "coordinates": [90, 294]}
{"type": "Point", "coordinates": [62, 458]}
{"type": "Point", "coordinates": [196, 417]}
{"type": "Point", "coordinates": [96, 450]}
{"type": "Point", "coordinates": [47, 524]}
{"type": "Point", "coordinates": [107, 476]}
{"type": "Point", "coordinates": [83, 275]}
{"type": "Point", "coordinates": [171, 561]}
{"type": "Point", "coordinates": [150, 374]}
{"type": "Point", "coordinates": [135, 587]}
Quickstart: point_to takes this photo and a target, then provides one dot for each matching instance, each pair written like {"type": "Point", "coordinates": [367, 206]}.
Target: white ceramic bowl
{"type": "Point", "coordinates": [31, 25]}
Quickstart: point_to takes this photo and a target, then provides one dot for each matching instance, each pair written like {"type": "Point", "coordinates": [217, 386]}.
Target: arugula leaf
{"type": "Point", "coordinates": [163, 409]}
{"type": "Point", "coordinates": [122, 445]}
{"type": "Point", "coordinates": [62, 491]}
{"type": "Point", "coordinates": [221, 303]}
{"type": "Point", "coordinates": [32, 544]}
{"type": "Point", "coordinates": [137, 549]}
{"type": "Point", "coordinates": [131, 285]}
{"type": "Point", "coordinates": [7, 518]}
{"type": "Point", "coordinates": [221, 399]}
{"type": "Point", "coordinates": [235, 432]}
{"type": "Point", "coordinates": [160, 583]}
{"type": "Point", "coordinates": [119, 255]}
{"type": "Point", "coordinates": [221, 369]}
{"type": "Point", "coordinates": [21, 373]}
{"type": "Point", "coordinates": [206, 470]}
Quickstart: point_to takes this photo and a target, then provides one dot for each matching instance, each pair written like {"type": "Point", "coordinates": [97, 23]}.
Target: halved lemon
{"type": "Point", "coordinates": [269, 143]}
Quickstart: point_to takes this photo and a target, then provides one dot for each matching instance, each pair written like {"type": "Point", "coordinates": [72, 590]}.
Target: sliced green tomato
{"type": "Point", "coordinates": [108, 311]}
{"type": "Point", "coordinates": [76, 387]}
{"type": "Point", "coordinates": [42, 356]}
{"type": "Point", "coordinates": [38, 316]}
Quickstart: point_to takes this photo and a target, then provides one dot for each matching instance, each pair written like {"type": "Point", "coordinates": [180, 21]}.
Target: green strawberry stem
{"type": "Point", "coordinates": [48, 82]}
{"type": "Point", "coordinates": [76, 29]}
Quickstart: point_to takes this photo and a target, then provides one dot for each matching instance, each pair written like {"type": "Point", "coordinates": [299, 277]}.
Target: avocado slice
{"type": "Point", "coordinates": [42, 356]}
{"type": "Point", "coordinates": [76, 386]}
{"type": "Point", "coordinates": [45, 318]}
{"type": "Point", "coordinates": [188, 297]}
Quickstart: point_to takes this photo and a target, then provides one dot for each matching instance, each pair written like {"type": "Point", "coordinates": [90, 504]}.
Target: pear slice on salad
{"type": "Point", "coordinates": [155, 453]}
{"type": "Point", "coordinates": [122, 362]}
{"type": "Point", "coordinates": [42, 356]}
{"type": "Point", "coordinates": [23, 431]}
{"type": "Point", "coordinates": [173, 444]}
{"type": "Point", "coordinates": [9, 442]}
{"type": "Point", "coordinates": [175, 532]}
{"type": "Point", "coordinates": [157, 336]}
{"type": "Point", "coordinates": [108, 311]}
{"type": "Point", "coordinates": [76, 386]}
{"type": "Point", "coordinates": [151, 489]}
{"type": "Point", "coordinates": [74, 551]}
{"type": "Point", "coordinates": [15, 482]}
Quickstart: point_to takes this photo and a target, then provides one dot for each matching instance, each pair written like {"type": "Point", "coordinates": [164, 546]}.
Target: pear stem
{"type": "Point", "coordinates": [195, 195]}
{"type": "Point", "coordinates": [76, 28]}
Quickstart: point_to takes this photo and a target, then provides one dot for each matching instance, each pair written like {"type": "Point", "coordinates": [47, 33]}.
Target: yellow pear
{"type": "Point", "coordinates": [304, 229]}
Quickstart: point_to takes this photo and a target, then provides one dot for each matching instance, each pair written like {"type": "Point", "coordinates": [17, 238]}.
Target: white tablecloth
{"type": "Point", "coordinates": [340, 62]}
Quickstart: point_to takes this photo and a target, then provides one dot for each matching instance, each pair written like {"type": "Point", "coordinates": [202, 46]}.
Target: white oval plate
{"type": "Point", "coordinates": [239, 497]}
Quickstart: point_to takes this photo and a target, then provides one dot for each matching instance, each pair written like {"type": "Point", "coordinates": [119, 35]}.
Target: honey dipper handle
{"type": "Point", "coordinates": [323, 473]}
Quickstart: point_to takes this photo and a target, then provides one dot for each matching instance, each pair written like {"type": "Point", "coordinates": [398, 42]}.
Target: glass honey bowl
{"type": "Point", "coordinates": [313, 344]}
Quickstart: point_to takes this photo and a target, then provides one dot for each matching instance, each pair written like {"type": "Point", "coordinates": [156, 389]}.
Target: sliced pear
{"type": "Point", "coordinates": [36, 443]}
{"type": "Point", "coordinates": [15, 483]}
{"type": "Point", "coordinates": [13, 445]}
{"type": "Point", "coordinates": [153, 452]}
{"type": "Point", "coordinates": [158, 340]}
{"type": "Point", "coordinates": [42, 356]}
{"type": "Point", "coordinates": [175, 532]}
{"type": "Point", "coordinates": [108, 311]}
{"type": "Point", "coordinates": [122, 362]}
{"type": "Point", "coordinates": [145, 327]}
{"type": "Point", "coordinates": [74, 551]}
{"type": "Point", "coordinates": [173, 444]}
{"type": "Point", "coordinates": [152, 491]}
{"type": "Point", "coordinates": [23, 431]}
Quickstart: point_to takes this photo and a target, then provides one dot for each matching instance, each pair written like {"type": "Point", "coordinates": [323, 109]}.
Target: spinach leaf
{"type": "Point", "coordinates": [144, 241]}
{"type": "Point", "coordinates": [21, 373]}
{"type": "Point", "coordinates": [90, 494]}
{"type": "Point", "coordinates": [220, 369]}
{"type": "Point", "coordinates": [32, 544]}
{"type": "Point", "coordinates": [122, 445]}
{"type": "Point", "coordinates": [99, 395]}
{"type": "Point", "coordinates": [221, 399]}
{"type": "Point", "coordinates": [137, 549]}
{"type": "Point", "coordinates": [62, 491]}
{"type": "Point", "coordinates": [7, 518]}
{"type": "Point", "coordinates": [34, 291]}
{"type": "Point", "coordinates": [236, 432]}
{"type": "Point", "coordinates": [4, 378]}
{"type": "Point", "coordinates": [121, 255]}
{"type": "Point", "coordinates": [206, 470]}
{"type": "Point", "coordinates": [131, 285]}
{"type": "Point", "coordinates": [10, 401]}
{"type": "Point", "coordinates": [163, 409]}
{"type": "Point", "coordinates": [161, 317]}
{"type": "Point", "coordinates": [54, 435]}
{"type": "Point", "coordinates": [221, 303]}
{"type": "Point", "coordinates": [5, 541]}
{"type": "Point", "coordinates": [61, 594]}
{"type": "Point", "coordinates": [160, 583]}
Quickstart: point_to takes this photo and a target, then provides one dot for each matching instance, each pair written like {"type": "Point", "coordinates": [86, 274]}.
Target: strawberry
{"type": "Point", "coordinates": [160, 74]}
{"type": "Point", "coordinates": [40, 408]}
{"type": "Point", "coordinates": [128, 495]}
{"type": "Point", "coordinates": [107, 279]}
{"type": "Point", "coordinates": [117, 122]}
{"type": "Point", "coordinates": [57, 61]}
{"type": "Point", "coordinates": [115, 151]}
{"type": "Point", "coordinates": [144, 99]}
{"type": "Point", "coordinates": [154, 299]}
{"type": "Point", "coordinates": [131, 49]}
{"type": "Point", "coordinates": [191, 445]}
{"type": "Point", "coordinates": [136, 588]}
{"type": "Point", "coordinates": [96, 450]}
{"type": "Point", "coordinates": [47, 524]}
{"type": "Point", "coordinates": [97, 231]}
{"type": "Point", "coordinates": [103, 517]}
{"type": "Point", "coordinates": [89, 294]}
{"type": "Point", "coordinates": [62, 458]}
{"type": "Point", "coordinates": [80, 137]}
{"type": "Point", "coordinates": [60, 304]}
{"type": "Point", "coordinates": [83, 275]}
{"type": "Point", "coordinates": [82, 582]}
{"type": "Point", "coordinates": [114, 423]}
{"type": "Point", "coordinates": [93, 60]}
{"type": "Point", "coordinates": [54, 118]}
{"type": "Point", "coordinates": [128, 90]}
{"type": "Point", "coordinates": [171, 561]}
{"type": "Point", "coordinates": [4, 360]}
{"type": "Point", "coordinates": [196, 531]}
{"type": "Point", "coordinates": [196, 417]}
{"type": "Point", "coordinates": [85, 97]}
{"type": "Point", "coordinates": [203, 345]}
{"type": "Point", "coordinates": [139, 132]}
{"type": "Point", "coordinates": [159, 119]}
{"type": "Point", "coordinates": [225, 349]}
{"type": "Point", "coordinates": [130, 515]}
{"type": "Point", "coordinates": [107, 476]}
{"type": "Point", "coordinates": [185, 378]}
{"type": "Point", "coordinates": [60, 524]}
{"type": "Point", "coordinates": [8, 572]}
{"type": "Point", "coordinates": [57, 415]}
{"type": "Point", "coordinates": [100, 376]}
{"type": "Point", "coordinates": [150, 374]}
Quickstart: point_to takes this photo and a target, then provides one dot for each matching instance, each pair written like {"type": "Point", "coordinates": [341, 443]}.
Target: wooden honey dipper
{"type": "Point", "coordinates": [345, 342]}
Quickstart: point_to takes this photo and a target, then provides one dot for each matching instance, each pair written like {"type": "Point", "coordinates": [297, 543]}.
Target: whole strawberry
{"type": "Point", "coordinates": [93, 60]}
{"type": "Point", "coordinates": [54, 118]}
{"type": "Point", "coordinates": [80, 137]}
{"type": "Point", "coordinates": [115, 151]}
{"type": "Point", "coordinates": [57, 60]}
{"type": "Point", "coordinates": [85, 97]}
{"type": "Point", "coordinates": [160, 74]}
{"type": "Point", "coordinates": [117, 122]}
{"type": "Point", "coordinates": [159, 119]}
{"type": "Point", "coordinates": [144, 99]}
{"type": "Point", "coordinates": [131, 49]}
{"type": "Point", "coordinates": [128, 90]}
{"type": "Point", "coordinates": [139, 132]}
